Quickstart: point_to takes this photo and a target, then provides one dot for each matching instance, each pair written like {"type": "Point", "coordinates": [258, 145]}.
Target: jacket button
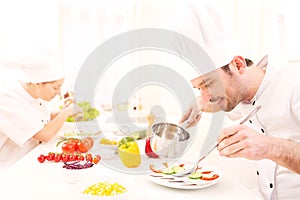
{"type": "Point", "coordinates": [271, 185]}
{"type": "Point", "coordinates": [262, 130]}
{"type": "Point", "coordinates": [257, 172]}
{"type": "Point", "coordinates": [253, 103]}
{"type": "Point", "coordinates": [43, 121]}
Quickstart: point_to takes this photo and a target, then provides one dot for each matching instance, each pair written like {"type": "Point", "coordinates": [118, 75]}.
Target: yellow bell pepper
{"type": "Point", "coordinates": [129, 152]}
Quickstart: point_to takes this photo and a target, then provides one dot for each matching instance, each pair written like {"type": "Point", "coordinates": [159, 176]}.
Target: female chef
{"type": "Point", "coordinates": [25, 119]}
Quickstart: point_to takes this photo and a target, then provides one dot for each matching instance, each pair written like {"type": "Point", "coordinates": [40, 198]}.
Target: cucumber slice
{"type": "Point", "coordinates": [168, 171]}
{"type": "Point", "coordinates": [178, 169]}
{"type": "Point", "coordinates": [195, 175]}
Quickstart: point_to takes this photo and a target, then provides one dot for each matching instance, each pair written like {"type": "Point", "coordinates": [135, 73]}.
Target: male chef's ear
{"type": "Point", "coordinates": [240, 63]}
{"type": "Point", "coordinates": [263, 63]}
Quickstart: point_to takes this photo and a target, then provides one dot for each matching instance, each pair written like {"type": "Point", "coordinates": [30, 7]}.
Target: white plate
{"type": "Point", "coordinates": [106, 152]}
{"type": "Point", "coordinates": [185, 182]}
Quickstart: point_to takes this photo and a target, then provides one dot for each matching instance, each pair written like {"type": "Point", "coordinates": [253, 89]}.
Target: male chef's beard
{"type": "Point", "coordinates": [226, 105]}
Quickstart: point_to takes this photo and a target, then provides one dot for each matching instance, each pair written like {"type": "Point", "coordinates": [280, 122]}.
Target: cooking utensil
{"type": "Point", "coordinates": [194, 168]}
{"type": "Point", "coordinates": [169, 140]}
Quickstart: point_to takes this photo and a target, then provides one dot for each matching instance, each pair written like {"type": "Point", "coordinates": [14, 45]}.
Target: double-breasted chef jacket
{"type": "Point", "coordinates": [279, 96]}
{"type": "Point", "coordinates": [21, 117]}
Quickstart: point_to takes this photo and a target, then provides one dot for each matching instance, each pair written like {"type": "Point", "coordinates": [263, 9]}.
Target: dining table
{"type": "Point", "coordinates": [31, 180]}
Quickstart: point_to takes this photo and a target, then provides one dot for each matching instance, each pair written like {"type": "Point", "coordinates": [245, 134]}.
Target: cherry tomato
{"type": "Point", "coordinates": [50, 156]}
{"type": "Point", "coordinates": [68, 147]}
{"type": "Point", "coordinates": [80, 158]}
{"type": "Point", "coordinates": [57, 157]}
{"type": "Point", "coordinates": [72, 157]}
{"type": "Point", "coordinates": [181, 165]}
{"type": "Point", "coordinates": [41, 158]}
{"type": "Point", "coordinates": [89, 157]}
{"type": "Point", "coordinates": [96, 159]}
{"type": "Point", "coordinates": [65, 157]}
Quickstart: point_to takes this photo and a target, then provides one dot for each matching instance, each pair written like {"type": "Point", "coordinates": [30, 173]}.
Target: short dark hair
{"type": "Point", "coordinates": [248, 62]}
{"type": "Point", "coordinates": [227, 69]}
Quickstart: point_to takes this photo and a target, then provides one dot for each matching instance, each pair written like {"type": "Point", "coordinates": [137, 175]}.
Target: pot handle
{"type": "Point", "coordinates": [184, 124]}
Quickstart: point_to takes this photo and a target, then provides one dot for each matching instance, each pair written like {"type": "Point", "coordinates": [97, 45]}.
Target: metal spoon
{"type": "Point", "coordinates": [194, 168]}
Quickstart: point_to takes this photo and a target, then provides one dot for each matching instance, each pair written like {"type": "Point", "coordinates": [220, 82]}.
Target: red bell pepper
{"type": "Point", "coordinates": [148, 150]}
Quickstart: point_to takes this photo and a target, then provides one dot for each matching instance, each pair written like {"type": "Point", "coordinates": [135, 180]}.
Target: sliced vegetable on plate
{"type": "Point", "coordinates": [203, 177]}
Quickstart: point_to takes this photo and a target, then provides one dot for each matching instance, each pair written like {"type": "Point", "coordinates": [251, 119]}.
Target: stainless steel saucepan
{"type": "Point", "coordinates": [169, 140]}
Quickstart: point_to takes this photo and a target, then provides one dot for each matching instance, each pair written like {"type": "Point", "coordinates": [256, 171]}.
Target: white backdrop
{"type": "Point", "coordinates": [74, 28]}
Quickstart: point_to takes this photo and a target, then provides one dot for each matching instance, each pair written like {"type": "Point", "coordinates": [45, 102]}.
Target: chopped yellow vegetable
{"type": "Point", "coordinates": [108, 141]}
{"type": "Point", "coordinates": [105, 189]}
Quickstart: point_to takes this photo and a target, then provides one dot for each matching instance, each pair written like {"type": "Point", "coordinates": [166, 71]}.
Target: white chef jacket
{"type": "Point", "coordinates": [279, 95]}
{"type": "Point", "coordinates": [21, 117]}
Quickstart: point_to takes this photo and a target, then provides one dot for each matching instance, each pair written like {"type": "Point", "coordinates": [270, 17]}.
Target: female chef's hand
{"type": "Point", "coordinates": [193, 114]}
{"type": "Point", "coordinates": [242, 141]}
{"type": "Point", "coordinates": [72, 109]}
{"type": "Point", "coordinates": [68, 101]}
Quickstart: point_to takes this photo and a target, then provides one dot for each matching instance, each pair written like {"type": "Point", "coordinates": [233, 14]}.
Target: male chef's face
{"type": "Point", "coordinates": [49, 90]}
{"type": "Point", "coordinates": [220, 87]}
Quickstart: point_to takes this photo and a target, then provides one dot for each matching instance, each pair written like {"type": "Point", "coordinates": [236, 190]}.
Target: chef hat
{"type": "Point", "coordinates": [37, 69]}
{"type": "Point", "coordinates": [214, 37]}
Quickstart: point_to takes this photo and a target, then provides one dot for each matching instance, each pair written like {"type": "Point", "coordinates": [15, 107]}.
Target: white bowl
{"type": "Point", "coordinates": [74, 176]}
{"type": "Point", "coordinates": [98, 148]}
{"type": "Point", "coordinates": [106, 154]}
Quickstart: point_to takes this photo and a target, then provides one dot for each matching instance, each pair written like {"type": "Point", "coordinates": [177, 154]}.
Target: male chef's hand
{"type": "Point", "coordinates": [193, 114]}
{"type": "Point", "coordinates": [242, 141]}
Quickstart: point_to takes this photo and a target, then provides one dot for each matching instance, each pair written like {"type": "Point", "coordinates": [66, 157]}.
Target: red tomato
{"type": "Point", "coordinates": [88, 142]}
{"type": "Point", "coordinates": [96, 159]}
{"type": "Point", "coordinates": [65, 157]}
{"type": "Point", "coordinates": [80, 157]}
{"type": "Point", "coordinates": [89, 157]}
{"type": "Point", "coordinates": [215, 176]}
{"type": "Point", "coordinates": [76, 156]}
{"type": "Point", "coordinates": [73, 141]}
{"type": "Point", "coordinates": [68, 147]}
{"type": "Point", "coordinates": [41, 158]}
{"type": "Point", "coordinates": [57, 157]}
{"type": "Point", "coordinates": [50, 156]}
{"type": "Point", "coordinates": [81, 148]}
{"type": "Point", "coordinates": [72, 157]}
{"type": "Point", "coordinates": [206, 172]}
